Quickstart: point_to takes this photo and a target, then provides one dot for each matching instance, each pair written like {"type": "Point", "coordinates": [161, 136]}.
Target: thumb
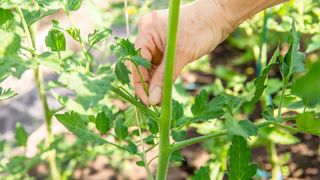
{"type": "Point", "coordinates": [156, 83]}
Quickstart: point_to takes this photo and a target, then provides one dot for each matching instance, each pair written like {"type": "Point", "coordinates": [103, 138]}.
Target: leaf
{"type": "Point", "coordinates": [140, 163]}
{"type": "Point", "coordinates": [21, 135]}
{"type": "Point", "coordinates": [240, 167]}
{"type": "Point", "coordinates": [149, 140]}
{"type": "Point", "coordinates": [10, 43]}
{"type": "Point", "coordinates": [12, 65]}
{"type": "Point", "coordinates": [33, 15]}
{"type": "Point", "coordinates": [308, 122]}
{"type": "Point", "coordinates": [130, 116]}
{"type": "Point", "coordinates": [153, 126]}
{"type": "Point", "coordinates": [141, 61]}
{"type": "Point", "coordinates": [6, 15]}
{"type": "Point", "coordinates": [73, 122]}
{"type": "Point", "coordinates": [49, 4]}
{"type": "Point", "coordinates": [122, 73]}
{"type": "Point", "coordinates": [103, 123]}
{"type": "Point", "coordinates": [176, 156]}
{"type": "Point", "coordinates": [177, 112]}
{"type": "Point", "coordinates": [50, 60]}
{"type": "Point", "coordinates": [74, 33]}
{"type": "Point", "coordinates": [250, 128]}
{"type": "Point", "coordinates": [89, 88]}
{"type": "Point", "coordinates": [120, 130]}
{"type": "Point", "coordinates": [234, 128]}
{"type": "Point", "coordinates": [132, 148]}
{"type": "Point", "coordinates": [293, 60]}
{"type": "Point", "coordinates": [124, 48]}
{"type": "Point", "coordinates": [268, 114]}
{"type": "Point", "coordinates": [277, 135]}
{"type": "Point", "coordinates": [260, 82]}
{"type": "Point", "coordinates": [202, 174]}
{"type": "Point", "coordinates": [199, 103]}
{"type": "Point", "coordinates": [98, 35]}
{"type": "Point", "coordinates": [214, 108]}
{"type": "Point", "coordinates": [178, 135]}
{"type": "Point", "coordinates": [307, 87]}
{"type": "Point", "coordinates": [55, 40]}
{"type": "Point", "coordinates": [72, 5]}
{"type": "Point", "coordinates": [6, 94]}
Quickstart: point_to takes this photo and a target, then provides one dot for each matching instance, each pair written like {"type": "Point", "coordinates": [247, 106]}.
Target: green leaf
{"type": "Point", "coordinates": [293, 60]}
{"type": "Point", "coordinates": [72, 5]}
{"type": "Point", "coordinates": [199, 103]}
{"type": "Point", "coordinates": [308, 122]}
{"type": "Point", "coordinates": [202, 174]}
{"type": "Point", "coordinates": [103, 123]}
{"type": "Point", "coordinates": [140, 163]}
{"type": "Point", "coordinates": [21, 135]}
{"type": "Point", "coordinates": [98, 35]}
{"type": "Point", "coordinates": [277, 135]}
{"type": "Point", "coordinates": [260, 82]}
{"type": "Point", "coordinates": [33, 15]}
{"type": "Point", "coordinates": [149, 140]}
{"type": "Point", "coordinates": [10, 43]}
{"type": "Point", "coordinates": [50, 60]}
{"type": "Point", "coordinates": [176, 156]}
{"type": "Point", "coordinates": [89, 88]}
{"type": "Point", "coordinates": [240, 167]}
{"type": "Point", "coordinates": [250, 128]}
{"type": "Point", "coordinates": [234, 127]}
{"type": "Point", "coordinates": [6, 15]}
{"type": "Point", "coordinates": [55, 40]}
{"type": "Point", "coordinates": [130, 116]}
{"type": "Point", "coordinates": [74, 33]}
{"type": "Point", "coordinates": [177, 112]}
{"type": "Point", "coordinates": [307, 87]}
{"type": "Point", "coordinates": [124, 48]}
{"type": "Point", "coordinates": [6, 94]}
{"type": "Point", "coordinates": [132, 148]}
{"type": "Point", "coordinates": [178, 135]}
{"type": "Point", "coordinates": [73, 122]}
{"type": "Point", "coordinates": [12, 65]}
{"type": "Point", "coordinates": [141, 61]}
{"type": "Point", "coordinates": [50, 4]}
{"type": "Point", "coordinates": [122, 73]}
{"type": "Point", "coordinates": [120, 130]}
{"type": "Point", "coordinates": [268, 114]}
{"type": "Point", "coordinates": [153, 126]}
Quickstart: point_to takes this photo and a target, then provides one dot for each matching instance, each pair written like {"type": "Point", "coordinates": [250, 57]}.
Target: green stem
{"type": "Point", "coordinates": [134, 102]}
{"type": "Point", "coordinates": [54, 173]}
{"type": "Point", "coordinates": [144, 85]}
{"type": "Point", "coordinates": [274, 159]}
{"type": "Point", "coordinates": [143, 152]}
{"type": "Point", "coordinates": [165, 116]}
{"type": "Point", "coordinates": [284, 82]}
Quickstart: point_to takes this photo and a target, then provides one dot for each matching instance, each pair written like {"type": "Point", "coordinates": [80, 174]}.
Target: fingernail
{"type": "Point", "coordinates": [155, 95]}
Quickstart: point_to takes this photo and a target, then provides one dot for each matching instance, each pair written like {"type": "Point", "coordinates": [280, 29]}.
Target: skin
{"type": "Point", "coordinates": [203, 24]}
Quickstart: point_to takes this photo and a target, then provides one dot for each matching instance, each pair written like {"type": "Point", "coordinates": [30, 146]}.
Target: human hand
{"type": "Point", "coordinates": [203, 24]}
{"type": "Point", "coordinates": [197, 35]}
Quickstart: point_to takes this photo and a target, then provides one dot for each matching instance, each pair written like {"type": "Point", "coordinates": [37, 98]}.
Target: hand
{"type": "Point", "coordinates": [203, 24]}
{"type": "Point", "coordinates": [197, 35]}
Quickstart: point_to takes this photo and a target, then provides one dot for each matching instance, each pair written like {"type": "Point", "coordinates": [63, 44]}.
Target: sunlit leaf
{"type": "Point", "coordinates": [122, 72]}
{"type": "Point", "coordinates": [73, 122]}
{"type": "Point", "coordinates": [55, 40]}
{"type": "Point", "coordinates": [240, 167]}
{"type": "Point", "coordinates": [10, 43]}
{"type": "Point", "coordinates": [6, 94]}
{"type": "Point", "coordinates": [98, 35]}
{"type": "Point", "coordinates": [308, 122]}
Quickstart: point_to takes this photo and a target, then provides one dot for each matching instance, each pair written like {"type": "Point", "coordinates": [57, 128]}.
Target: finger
{"type": "Point", "coordinates": [156, 82]}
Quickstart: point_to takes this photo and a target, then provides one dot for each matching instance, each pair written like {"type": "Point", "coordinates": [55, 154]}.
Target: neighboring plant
{"type": "Point", "coordinates": [139, 129]}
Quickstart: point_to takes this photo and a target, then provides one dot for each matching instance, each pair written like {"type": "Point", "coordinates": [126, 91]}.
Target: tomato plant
{"type": "Point", "coordinates": [89, 114]}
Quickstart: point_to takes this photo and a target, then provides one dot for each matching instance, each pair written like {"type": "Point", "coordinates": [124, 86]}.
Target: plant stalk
{"type": "Point", "coordinates": [165, 116]}
{"type": "Point", "coordinates": [54, 173]}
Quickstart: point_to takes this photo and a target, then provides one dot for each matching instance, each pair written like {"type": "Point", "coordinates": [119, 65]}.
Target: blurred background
{"type": "Point", "coordinates": [233, 63]}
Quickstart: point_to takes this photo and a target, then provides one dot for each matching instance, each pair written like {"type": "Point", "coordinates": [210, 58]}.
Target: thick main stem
{"type": "Point", "coordinates": [165, 116]}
